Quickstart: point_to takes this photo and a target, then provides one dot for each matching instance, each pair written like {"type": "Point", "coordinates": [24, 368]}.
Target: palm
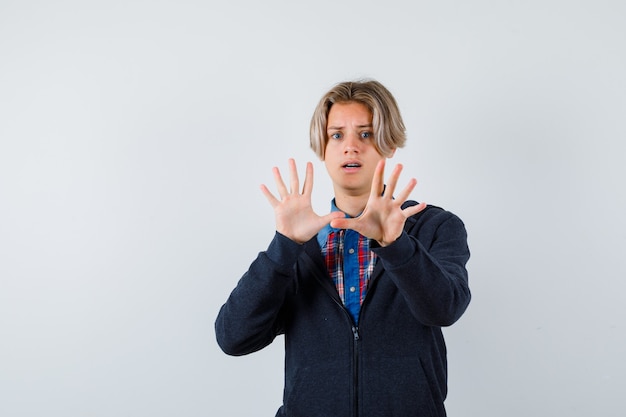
{"type": "Point", "coordinates": [383, 217]}
{"type": "Point", "coordinates": [294, 213]}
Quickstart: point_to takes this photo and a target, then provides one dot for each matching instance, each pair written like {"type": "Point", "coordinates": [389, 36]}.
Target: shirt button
{"type": "Point", "coordinates": [350, 251]}
{"type": "Point", "coordinates": [352, 289]}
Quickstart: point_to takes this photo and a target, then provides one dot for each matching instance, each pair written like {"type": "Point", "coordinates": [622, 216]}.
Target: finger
{"type": "Point", "coordinates": [268, 194]}
{"type": "Point", "coordinates": [293, 175]}
{"type": "Point", "coordinates": [334, 215]}
{"type": "Point", "coordinates": [393, 181]}
{"type": "Point", "coordinates": [413, 210]}
{"type": "Point", "coordinates": [342, 223]}
{"type": "Point", "coordinates": [280, 184]}
{"type": "Point", "coordinates": [378, 183]}
{"type": "Point", "coordinates": [307, 188]}
{"type": "Point", "coordinates": [406, 192]}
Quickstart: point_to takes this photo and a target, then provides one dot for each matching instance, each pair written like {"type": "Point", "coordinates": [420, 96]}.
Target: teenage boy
{"type": "Point", "coordinates": [361, 293]}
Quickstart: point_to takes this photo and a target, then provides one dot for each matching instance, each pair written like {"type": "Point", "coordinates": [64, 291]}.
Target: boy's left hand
{"type": "Point", "coordinates": [383, 217]}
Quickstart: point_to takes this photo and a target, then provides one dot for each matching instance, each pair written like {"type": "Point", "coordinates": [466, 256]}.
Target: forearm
{"type": "Point", "coordinates": [249, 320]}
{"type": "Point", "coordinates": [433, 280]}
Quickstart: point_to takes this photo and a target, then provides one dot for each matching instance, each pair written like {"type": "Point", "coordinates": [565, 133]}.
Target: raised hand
{"type": "Point", "coordinates": [294, 213]}
{"type": "Point", "coordinates": [383, 217]}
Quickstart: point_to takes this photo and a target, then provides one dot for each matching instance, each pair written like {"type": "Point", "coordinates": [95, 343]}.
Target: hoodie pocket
{"type": "Point", "coordinates": [398, 387]}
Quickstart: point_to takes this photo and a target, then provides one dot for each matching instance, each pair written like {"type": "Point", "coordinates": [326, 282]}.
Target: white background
{"type": "Point", "coordinates": [134, 136]}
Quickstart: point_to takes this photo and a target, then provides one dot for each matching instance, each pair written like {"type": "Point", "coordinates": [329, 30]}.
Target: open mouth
{"type": "Point", "coordinates": [352, 165]}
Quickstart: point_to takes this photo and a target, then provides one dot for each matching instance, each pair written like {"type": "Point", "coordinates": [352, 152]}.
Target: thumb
{"type": "Point", "coordinates": [342, 222]}
{"type": "Point", "coordinates": [332, 216]}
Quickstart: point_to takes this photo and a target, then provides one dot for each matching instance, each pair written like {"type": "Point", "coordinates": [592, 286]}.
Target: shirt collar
{"type": "Point", "coordinates": [326, 230]}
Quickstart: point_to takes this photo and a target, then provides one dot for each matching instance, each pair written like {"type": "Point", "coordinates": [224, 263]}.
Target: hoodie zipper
{"type": "Point", "coordinates": [356, 337]}
{"type": "Point", "coordinates": [355, 367]}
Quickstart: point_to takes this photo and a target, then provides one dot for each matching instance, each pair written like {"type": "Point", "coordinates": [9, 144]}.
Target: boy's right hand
{"type": "Point", "coordinates": [294, 213]}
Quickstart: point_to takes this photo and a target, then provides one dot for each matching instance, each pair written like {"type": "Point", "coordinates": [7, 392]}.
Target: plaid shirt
{"type": "Point", "coordinates": [349, 262]}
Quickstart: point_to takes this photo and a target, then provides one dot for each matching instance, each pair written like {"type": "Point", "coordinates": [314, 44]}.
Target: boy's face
{"type": "Point", "coordinates": [350, 155]}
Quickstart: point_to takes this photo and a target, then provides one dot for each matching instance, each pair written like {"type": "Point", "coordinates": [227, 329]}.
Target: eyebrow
{"type": "Point", "coordinates": [341, 127]}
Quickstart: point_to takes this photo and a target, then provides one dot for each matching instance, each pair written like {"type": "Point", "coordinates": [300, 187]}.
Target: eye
{"type": "Point", "coordinates": [366, 135]}
{"type": "Point", "coordinates": [335, 135]}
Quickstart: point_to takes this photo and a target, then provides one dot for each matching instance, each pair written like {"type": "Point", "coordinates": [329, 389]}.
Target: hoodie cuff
{"type": "Point", "coordinates": [397, 253]}
{"type": "Point", "coordinates": [283, 251]}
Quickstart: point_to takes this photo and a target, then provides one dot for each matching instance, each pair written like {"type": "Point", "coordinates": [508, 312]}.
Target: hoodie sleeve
{"type": "Point", "coordinates": [427, 264]}
{"type": "Point", "coordinates": [249, 320]}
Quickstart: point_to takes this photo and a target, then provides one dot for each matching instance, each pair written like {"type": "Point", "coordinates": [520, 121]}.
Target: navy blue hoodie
{"type": "Point", "coordinates": [393, 363]}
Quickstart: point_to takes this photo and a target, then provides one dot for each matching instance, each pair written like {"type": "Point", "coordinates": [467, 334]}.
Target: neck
{"type": "Point", "coordinates": [352, 205]}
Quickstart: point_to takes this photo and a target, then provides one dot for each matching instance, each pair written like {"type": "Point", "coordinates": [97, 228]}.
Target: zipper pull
{"type": "Point", "coordinates": [355, 332]}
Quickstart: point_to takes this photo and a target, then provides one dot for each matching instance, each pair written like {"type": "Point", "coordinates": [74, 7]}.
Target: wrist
{"type": "Point", "coordinates": [384, 243]}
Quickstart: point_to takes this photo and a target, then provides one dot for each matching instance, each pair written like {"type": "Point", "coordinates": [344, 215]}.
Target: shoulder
{"type": "Point", "coordinates": [431, 218]}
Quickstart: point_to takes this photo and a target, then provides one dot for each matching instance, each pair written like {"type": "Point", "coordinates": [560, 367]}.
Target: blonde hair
{"type": "Point", "coordinates": [389, 130]}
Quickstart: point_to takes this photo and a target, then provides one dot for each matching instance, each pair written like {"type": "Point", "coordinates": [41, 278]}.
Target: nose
{"type": "Point", "coordinates": [351, 144]}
